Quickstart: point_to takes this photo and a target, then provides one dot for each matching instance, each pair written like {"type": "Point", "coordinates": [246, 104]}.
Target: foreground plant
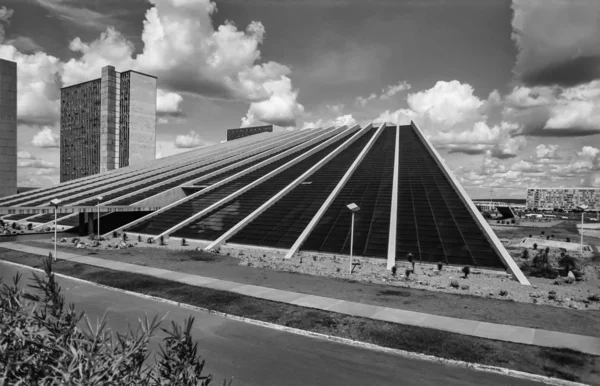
{"type": "Point", "coordinates": [41, 344]}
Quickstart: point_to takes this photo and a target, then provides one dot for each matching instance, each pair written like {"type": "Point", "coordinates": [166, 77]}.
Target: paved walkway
{"type": "Point", "coordinates": [508, 333]}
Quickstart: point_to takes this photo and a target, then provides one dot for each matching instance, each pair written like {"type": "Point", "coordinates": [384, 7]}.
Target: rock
{"type": "Point", "coordinates": [552, 296]}
{"type": "Point", "coordinates": [573, 305]}
{"type": "Point", "coordinates": [465, 287]}
{"type": "Point", "coordinates": [477, 292]}
{"type": "Point", "coordinates": [571, 275]}
{"type": "Point", "coordinates": [454, 283]}
{"type": "Point", "coordinates": [552, 292]}
{"type": "Point", "coordinates": [80, 245]}
{"type": "Point", "coordinates": [491, 294]}
{"type": "Point", "coordinates": [569, 279]}
{"type": "Point", "coordinates": [95, 244]}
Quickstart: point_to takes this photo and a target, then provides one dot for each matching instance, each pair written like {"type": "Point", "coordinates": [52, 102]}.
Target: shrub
{"type": "Point", "coordinates": [547, 237]}
{"type": "Point", "coordinates": [440, 265]}
{"type": "Point", "coordinates": [568, 239]}
{"type": "Point", "coordinates": [534, 246]}
{"type": "Point", "coordinates": [525, 254]}
{"type": "Point", "coordinates": [29, 226]}
{"type": "Point", "coordinates": [42, 344]}
{"type": "Point", "coordinates": [139, 239]}
{"type": "Point", "coordinates": [497, 221]}
{"type": "Point", "coordinates": [543, 232]}
{"type": "Point", "coordinates": [162, 240]}
{"type": "Point", "coordinates": [115, 234]}
{"type": "Point", "coordinates": [503, 292]}
{"type": "Point", "coordinates": [183, 243]}
{"type": "Point", "coordinates": [547, 250]}
{"type": "Point", "coordinates": [125, 237]}
{"type": "Point", "coordinates": [407, 272]}
{"type": "Point", "coordinates": [150, 240]}
{"type": "Point", "coordinates": [14, 225]}
{"type": "Point", "coordinates": [513, 221]}
{"type": "Point", "coordinates": [567, 262]}
{"type": "Point", "coordinates": [409, 257]}
{"type": "Point", "coordinates": [394, 270]}
{"type": "Point", "coordinates": [466, 270]}
{"type": "Point", "coordinates": [530, 236]}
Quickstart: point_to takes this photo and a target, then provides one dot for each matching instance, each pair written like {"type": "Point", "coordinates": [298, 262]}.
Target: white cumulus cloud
{"type": "Point", "coordinates": [190, 140]}
{"type": "Point", "coordinates": [45, 138]}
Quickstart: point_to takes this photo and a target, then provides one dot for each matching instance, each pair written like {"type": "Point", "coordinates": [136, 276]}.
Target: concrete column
{"type": "Point", "coordinates": [82, 224]}
{"type": "Point", "coordinates": [90, 223]}
{"type": "Point", "coordinates": [109, 96]}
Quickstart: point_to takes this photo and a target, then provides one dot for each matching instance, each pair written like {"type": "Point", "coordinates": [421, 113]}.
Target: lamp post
{"type": "Point", "coordinates": [99, 198]}
{"type": "Point", "coordinates": [56, 202]}
{"type": "Point", "coordinates": [583, 208]}
{"type": "Point", "coordinates": [353, 208]}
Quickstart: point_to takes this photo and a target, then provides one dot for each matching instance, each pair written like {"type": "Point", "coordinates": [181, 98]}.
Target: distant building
{"type": "Point", "coordinates": [246, 131]}
{"type": "Point", "coordinates": [107, 123]}
{"type": "Point", "coordinates": [563, 198]}
{"type": "Point", "coordinates": [8, 128]}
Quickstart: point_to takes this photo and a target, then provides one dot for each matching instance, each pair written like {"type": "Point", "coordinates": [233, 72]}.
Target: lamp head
{"type": "Point", "coordinates": [99, 198]}
{"type": "Point", "coordinates": [353, 207]}
{"type": "Point", "coordinates": [56, 202]}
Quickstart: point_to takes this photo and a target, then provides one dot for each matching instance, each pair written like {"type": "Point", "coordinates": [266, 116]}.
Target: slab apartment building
{"type": "Point", "coordinates": [107, 123]}
{"type": "Point", "coordinates": [247, 131]}
{"type": "Point", "coordinates": [563, 198]}
{"type": "Point", "coordinates": [8, 128]}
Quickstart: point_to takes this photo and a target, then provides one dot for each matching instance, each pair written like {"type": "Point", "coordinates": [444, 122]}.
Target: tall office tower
{"type": "Point", "coordinates": [8, 128]}
{"type": "Point", "coordinates": [107, 123]}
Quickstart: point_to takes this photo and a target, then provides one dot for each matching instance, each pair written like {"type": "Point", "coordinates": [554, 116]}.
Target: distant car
{"type": "Point", "coordinates": [594, 219]}
{"type": "Point", "coordinates": [564, 217]}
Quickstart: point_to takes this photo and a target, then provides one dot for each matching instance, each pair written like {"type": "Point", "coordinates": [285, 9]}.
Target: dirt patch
{"type": "Point", "coordinates": [560, 363]}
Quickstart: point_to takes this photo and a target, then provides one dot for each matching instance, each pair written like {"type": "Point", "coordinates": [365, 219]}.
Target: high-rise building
{"type": "Point", "coordinates": [246, 131]}
{"type": "Point", "coordinates": [8, 128]}
{"type": "Point", "coordinates": [107, 123]}
{"type": "Point", "coordinates": [563, 198]}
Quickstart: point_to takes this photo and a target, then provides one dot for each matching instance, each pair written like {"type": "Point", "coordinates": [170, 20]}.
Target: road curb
{"type": "Point", "coordinates": [370, 346]}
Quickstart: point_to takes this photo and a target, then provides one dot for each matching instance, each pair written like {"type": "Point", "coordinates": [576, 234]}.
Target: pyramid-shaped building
{"type": "Point", "coordinates": [288, 191]}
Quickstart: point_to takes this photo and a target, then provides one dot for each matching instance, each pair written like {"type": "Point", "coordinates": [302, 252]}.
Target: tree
{"type": "Point", "coordinates": [42, 344]}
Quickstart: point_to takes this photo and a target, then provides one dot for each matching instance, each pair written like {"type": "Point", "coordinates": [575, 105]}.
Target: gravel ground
{"type": "Point", "coordinates": [479, 283]}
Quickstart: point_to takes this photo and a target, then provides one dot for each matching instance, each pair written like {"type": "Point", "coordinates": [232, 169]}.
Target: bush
{"type": "Point", "coordinates": [466, 270]}
{"type": "Point", "coordinates": [513, 221]}
{"type": "Point", "coordinates": [29, 226]}
{"type": "Point", "coordinates": [162, 240]}
{"type": "Point", "coordinates": [503, 292]}
{"type": "Point", "coordinates": [42, 344]}
{"type": "Point", "coordinates": [543, 232]}
{"type": "Point", "coordinates": [525, 254]}
{"type": "Point", "coordinates": [394, 270]}
{"type": "Point", "coordinates": [183, 244]}
{"type": "Point", "coordinates": [125, 237]}
{"type": "Point", "coordinates": [139, 239]}
{"type": "Point", "coordinates": [440, 265]}
{"type": "Point", "coordinates": [150, 240]}
{"type": "Point", "coordinates": [497, 221]}
{"type": "Point", "coordinates": [530, 236]}
{"type": "Point", "coordinates": [407, 272]}
{"type": "Point", "coordinates": [567, 262]}
{"type": "Point", "coordinates": [547, 237]}
{"type": "Point", "coordinates": [568, 239]}
{"type": "Point", "coordinates": [14, 225]}
{"type": "Point", "coordinates": [115, 234]}
{"type": "Point", "coordinates": [534, 246]}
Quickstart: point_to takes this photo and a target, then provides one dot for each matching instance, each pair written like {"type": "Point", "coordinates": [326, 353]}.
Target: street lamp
{"type": "Point", "coordinates": [583, 208]}
{"type": "Point", "coordinates": [353, 208]}
{"type": "Point", "coordinates": [56, 202]}
{"type": "Point", "coordinates": [99, 198]}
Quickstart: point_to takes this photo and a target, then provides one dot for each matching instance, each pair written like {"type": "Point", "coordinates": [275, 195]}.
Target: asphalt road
{"type": "Point", "coordinates": [255, 355]}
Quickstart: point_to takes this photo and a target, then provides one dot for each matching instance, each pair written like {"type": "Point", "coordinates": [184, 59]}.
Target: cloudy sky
{"type": "Point", "coordinates": [509, 92]}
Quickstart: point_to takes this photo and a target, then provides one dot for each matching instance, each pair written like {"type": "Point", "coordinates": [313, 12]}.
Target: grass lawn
{"type": "Point", "coordinates": [560, 363]}
{"type": "Point", "coordinates": [584, 322]}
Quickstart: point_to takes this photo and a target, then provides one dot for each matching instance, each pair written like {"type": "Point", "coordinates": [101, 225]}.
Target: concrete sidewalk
{"type": "Point", "coordinates": [508, 333]}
